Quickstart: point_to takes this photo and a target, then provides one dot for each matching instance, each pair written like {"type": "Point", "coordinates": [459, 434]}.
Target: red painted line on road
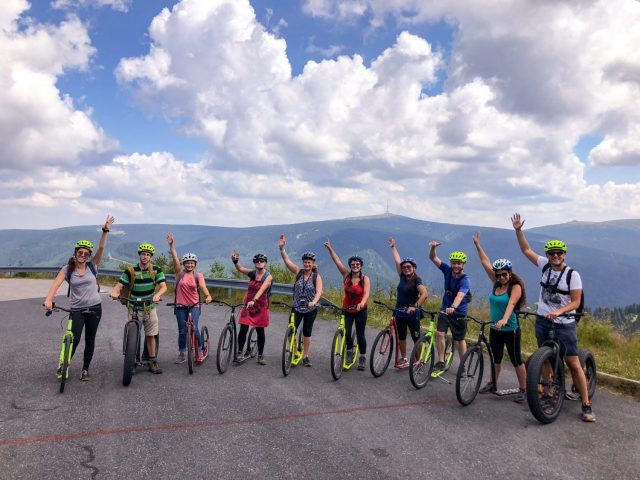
{"type": "Point", "coordinates": [214, 423]}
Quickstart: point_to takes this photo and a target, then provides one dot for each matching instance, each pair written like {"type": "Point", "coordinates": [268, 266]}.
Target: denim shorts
{"type": "Point", "coordinates": [566, 335]}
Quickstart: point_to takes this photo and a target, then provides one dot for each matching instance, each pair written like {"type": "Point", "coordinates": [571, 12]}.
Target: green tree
{"type": "Point", "coordinates": [217, 270]}
{"type": "Point", "coordinates": [280, 273]}
{"type": "Point", "coordinates": [164, 262]}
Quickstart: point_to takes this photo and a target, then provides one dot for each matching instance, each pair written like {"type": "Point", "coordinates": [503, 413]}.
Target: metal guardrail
{"type": "Point", "coordinates": [228, 283]}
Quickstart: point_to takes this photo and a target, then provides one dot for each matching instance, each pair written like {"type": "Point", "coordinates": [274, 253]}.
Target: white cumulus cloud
{"type": "Point", "coordinates": [39, 125]}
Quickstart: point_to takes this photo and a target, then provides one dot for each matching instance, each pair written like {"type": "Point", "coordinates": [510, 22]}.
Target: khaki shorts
{"type": "Point", "coordinates": [149, 321]}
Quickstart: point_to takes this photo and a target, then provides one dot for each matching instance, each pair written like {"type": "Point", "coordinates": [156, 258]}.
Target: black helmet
{"type": "Point", "coordinates": [259, 257]}
{"type": "Point", "coordinates": [309, 256]}
{"type": "Point", "coordinates": [355, 258]}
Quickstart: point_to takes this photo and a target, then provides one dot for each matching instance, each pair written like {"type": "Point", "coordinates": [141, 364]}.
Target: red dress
{"type": "Point", "coordinates": [258, 316]}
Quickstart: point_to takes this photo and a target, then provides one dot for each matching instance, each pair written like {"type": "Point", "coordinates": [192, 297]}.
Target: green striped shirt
{"type": "Point", "coordinates": [143, 286]}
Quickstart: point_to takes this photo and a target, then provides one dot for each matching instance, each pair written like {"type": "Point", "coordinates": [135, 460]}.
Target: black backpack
{"type": "Point", "coordinates": [554, 288]}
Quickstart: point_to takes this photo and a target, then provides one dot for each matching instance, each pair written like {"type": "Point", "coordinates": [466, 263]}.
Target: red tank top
{"type": "Point", "coordinates": [352, 293]}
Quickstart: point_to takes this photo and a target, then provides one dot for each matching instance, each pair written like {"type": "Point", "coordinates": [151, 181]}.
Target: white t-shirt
{"type": "Point", "coordinates": [549, 302]}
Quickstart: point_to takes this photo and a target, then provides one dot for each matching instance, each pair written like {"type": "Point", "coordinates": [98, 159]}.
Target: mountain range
{"type": "Point", "coordinates": [606, 254]}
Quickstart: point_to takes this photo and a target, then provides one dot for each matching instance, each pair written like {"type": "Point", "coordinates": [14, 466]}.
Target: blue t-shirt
{"type": "Point", "coordinates": [451, 288]}
{"type": "Point", "coordinates": [407, 293]}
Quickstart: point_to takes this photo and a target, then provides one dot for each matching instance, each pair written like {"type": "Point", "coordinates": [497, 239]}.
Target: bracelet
{"type": "Point", "coordinates": [105, 230]}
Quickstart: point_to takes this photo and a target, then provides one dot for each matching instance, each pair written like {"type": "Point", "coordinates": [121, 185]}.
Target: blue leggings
{"type": "Point", "coordinates": [182, 314]}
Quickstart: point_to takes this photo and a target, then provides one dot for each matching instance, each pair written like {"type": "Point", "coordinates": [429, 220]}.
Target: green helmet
{"type": "Point", "coordinates": [458, 257]}
{"type": "Point", "coordinates": [555, 245]}
{"type": "Point", "coordinates": [146, 247]}
{"type": "Point", "coordinates": [84, 244]}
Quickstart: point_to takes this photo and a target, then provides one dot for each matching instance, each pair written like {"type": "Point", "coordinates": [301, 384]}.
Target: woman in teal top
{"type": "Point", "coordinates": [506, 296]}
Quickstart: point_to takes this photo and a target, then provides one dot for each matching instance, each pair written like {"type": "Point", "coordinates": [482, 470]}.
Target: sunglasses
{"type": "Point", "coordinates": [502, 274]}
{"type": "Point", "coordinates": [83, 253]}
{"type": "Point", "coordinates": [260, 261]}
{"type": "Point", "coordinates": [556, 254]}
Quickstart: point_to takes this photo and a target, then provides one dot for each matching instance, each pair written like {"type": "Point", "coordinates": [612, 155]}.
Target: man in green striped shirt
{"type": "Point", "coordinates": [149, 284]}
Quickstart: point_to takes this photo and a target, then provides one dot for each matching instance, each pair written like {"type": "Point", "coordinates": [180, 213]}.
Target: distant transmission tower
{"type": "Point", "coordinates": [387, 212]}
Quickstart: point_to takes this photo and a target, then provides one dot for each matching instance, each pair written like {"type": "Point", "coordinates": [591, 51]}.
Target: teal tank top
{"type": "Point", "coordinates": [497, 306]}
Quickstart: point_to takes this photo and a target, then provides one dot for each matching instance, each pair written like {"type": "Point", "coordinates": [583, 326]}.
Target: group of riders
{"type": "Point", "coordinates": [560, 294]}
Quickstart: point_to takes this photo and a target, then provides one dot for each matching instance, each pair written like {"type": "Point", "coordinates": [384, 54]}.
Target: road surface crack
{"type": "Point", "coordinates": [87, 463]}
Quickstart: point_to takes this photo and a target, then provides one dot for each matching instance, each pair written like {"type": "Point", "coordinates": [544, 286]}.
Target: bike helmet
{"type": "Point", "coordinates": [409, 260]}
{"type": "Point", "coordinates": [189, 256]}
{"type": "Point", "coordinates": [84, 244]}
{"type": "Point", "coordinates": [309, 256]}
{"type": "Point", "coordinates": [355, 258]}
{"type": "Point", "coordinates": [502, 264]}
{"type": "Point", "coordinates": [146, 247]}
{"type": "Point", "coordinates": [458, 257]}
{"type": "Point", "coordinates": [259, 257]}
{"type": "Point", "coordinates": [555, 245]}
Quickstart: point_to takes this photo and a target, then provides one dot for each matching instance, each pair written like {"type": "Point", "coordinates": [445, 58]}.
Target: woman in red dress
{"type": "Point", "coordinates": [256, 301]}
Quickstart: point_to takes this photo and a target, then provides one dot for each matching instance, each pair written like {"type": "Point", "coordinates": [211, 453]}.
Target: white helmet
{"type": "Point", "coordinates": [189, 256]}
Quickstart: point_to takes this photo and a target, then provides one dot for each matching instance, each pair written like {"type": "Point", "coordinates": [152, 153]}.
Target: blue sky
{"type": "Point", "coordinates": [260, 112]}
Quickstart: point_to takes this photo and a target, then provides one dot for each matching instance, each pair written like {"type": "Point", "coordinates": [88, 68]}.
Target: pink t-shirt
{"type": "Point", "coordinates": [187, 289]}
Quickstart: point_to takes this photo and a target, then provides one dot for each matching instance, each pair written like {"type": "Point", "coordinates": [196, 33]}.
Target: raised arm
{"type": "Point", "coordinates": [484, 260]}
{"type": "Point", "coordinates": [235, 258]}
{"type": "Point", "coordinates": [396, 255]}
{"type": "Point", "coordinates": [283, 253]}
{"type": "Point", "coordinates": [433, 256]}
{"type": "Point", "coordinates": [334, 256]}
{"type": "Point", "coordinates": [177, 268]}
{"type": "Point", "coordinates": [518, 223]}
{"type": "Point", "coordinates": [97, 258]}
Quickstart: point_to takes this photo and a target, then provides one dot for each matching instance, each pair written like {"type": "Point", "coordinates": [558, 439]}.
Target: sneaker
{"type": "Point", "coordinates": [306, 362]}
{"type": "Point", "coordinates": [84, 376]}
{"type": "Point", "coordinates": [521, 396]}
{"type": "Point", "coordinates": [402, 363]}
{"type": "Point", "coordinates": [587, 414]}
{"type": "Point", "coordinates": [439, 367]}
{"type": "Point", "coordinates": [350, 355]}
{"type": "Point", "coordinates": [261, 360]}
{"type": "Point", "coordinates": [362, 362]}
{"type": "Point", "coordinates": [488, 387]}
{"type": "Point", "coordinates": [181, 358]}
{"type": "Point", "coordinates": [154, 367]}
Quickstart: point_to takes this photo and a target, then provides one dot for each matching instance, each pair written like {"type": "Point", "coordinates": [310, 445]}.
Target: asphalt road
{"type": "Point", "coordinates": [252, 422]}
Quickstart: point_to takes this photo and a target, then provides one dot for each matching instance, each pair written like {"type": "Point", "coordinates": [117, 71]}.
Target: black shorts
{"type": "Point", "coordinates": [413, 323]}
{"type": "Point", "coordinates": [457, 323]}
{"type": "Point", "coordinates": [308, 318]}
{"type": "Point", "coordinates": [498, 339]}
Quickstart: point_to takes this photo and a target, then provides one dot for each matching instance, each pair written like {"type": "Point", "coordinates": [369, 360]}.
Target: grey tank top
{"type": "Point", "coordinates": [84, 289]}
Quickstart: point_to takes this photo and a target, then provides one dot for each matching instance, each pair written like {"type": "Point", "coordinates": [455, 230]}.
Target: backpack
{"type": "Point", "coordinates": [126, 289]}
{"type": "Point", "coordinates": [91, 267]}
{"type": "Point", "coordinates": [266, 275]}
{"type": "Point", "coordinates": [175, 293]}
{"type": "Point", "coordinates": [314, 276]}
{"type": "Point", "coordinates": [467, 297]}
{"type": "Point", "coordinates": [554, 288]}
